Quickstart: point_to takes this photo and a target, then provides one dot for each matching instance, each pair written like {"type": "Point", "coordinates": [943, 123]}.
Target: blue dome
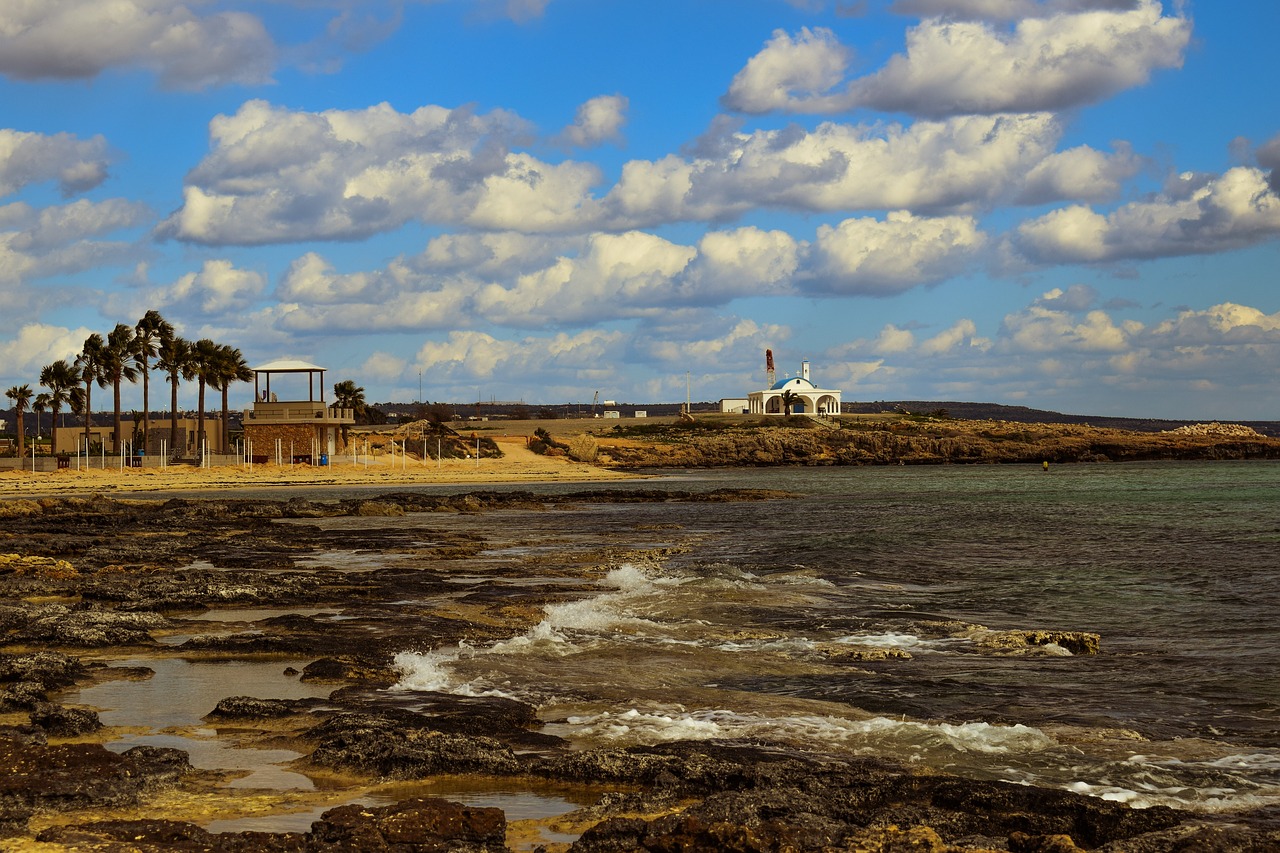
{"type": "Point", "coordinates": [794, 382]}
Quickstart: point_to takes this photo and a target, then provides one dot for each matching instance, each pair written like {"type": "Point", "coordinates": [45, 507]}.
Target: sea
{"type": "Point", "coordinates": [856, 617]}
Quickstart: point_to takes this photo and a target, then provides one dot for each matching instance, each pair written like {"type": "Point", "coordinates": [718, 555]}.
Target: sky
{"type": "Point", "coordinates": [1064, 204]}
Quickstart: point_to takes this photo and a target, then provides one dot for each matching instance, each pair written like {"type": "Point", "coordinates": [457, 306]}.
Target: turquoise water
{"type": "Point", "coordinates": [743, 631]}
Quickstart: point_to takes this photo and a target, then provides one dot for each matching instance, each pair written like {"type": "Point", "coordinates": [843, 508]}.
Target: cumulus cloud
{"type": "Point", "coordinates": [1060, 348]}
{"type": "Point", "coordinates": [1077, 297]}
{"type": "Point", "coordinates": [623, 275]}
{"type": "Point", "coordinates": [955, 66]}
{"type": "Point", "coordinates": [880, 258]}
{"type": "Point", "coordinates": [467, 281]}
{"type": "Point", "coordinates": [1046, 326]}
{"type": "Point", "coordinates": [963, 333]}
{"type": "Point", "coordinates": [466, 356]}
{"type": "Point", "coordinates": [77, 165]}
{"type": "Point", "coordinates": [1004, 10]}
{"type": "Point", "coordinates": [794, 74]}
{"type": "Point", "coordinates": [73, 39]}
{"type": "Point", "coordinates": [959, 163]}
{"type": "Point", "coordinates": [34, 345]}
{"type": "Point", "coordinates": [597, 121]}
{"type": "Point", "coordinates": [742, 262]}
{"type": "Point", "coordinates": [39, 242]}
{"type": "Point", "coordinates": [279, 175]}
{"type": "Point", "coordinates": [1082, 173]}
{"type": "Point", "coordinates": [1269, 159]}
{"type": "Point", "coordinates": [1236, 209]}
{"type": "Point", "coordinates": [217, 289]}
{"type": "Point", "coordinates": [732, 343]}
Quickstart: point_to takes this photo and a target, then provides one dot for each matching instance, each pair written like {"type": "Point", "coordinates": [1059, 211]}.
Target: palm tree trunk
{"type": "Point", "coordinates": [200, 423]}
{"type": "Point", "coordinates": [146, 408]}
{"type": "Point", "coordinates": [88, 415]}
{"type": "Point", "coordinates": [22, 434]}
{"type": "Point", "coordinates": [226, 425]}
{"type": "Point", "coordinates": [173, 417]}
{"type": "Point", "coordinates": [118, 431]}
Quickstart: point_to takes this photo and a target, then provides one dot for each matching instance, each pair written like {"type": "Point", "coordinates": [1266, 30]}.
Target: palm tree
{"type": "Point", "coordinates": [230, 367]}
{"type": "Point", "coordinates": [202, 367]}
{"type": "Point", "coordinates": [149, 333]}
{"type": "Point", "coordinates": [348, 395]}
{"type": "Point", "coordinates": [789, 398]}
{"type": "Point", "coordinates": [117, 366]}
{"type": "Point", "coordinates": [89, 366]}
{"type": "Point", "coordinates": [39, 406]}
{"type": "Point", "coordinates": [21, 396]}
{"type": "Point", "coordinates": [172, 356]}
{"type": "Point", "coordinates": [60, 378]}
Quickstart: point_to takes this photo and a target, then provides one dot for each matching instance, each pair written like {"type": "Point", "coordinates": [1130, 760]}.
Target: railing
{"type": "Point", "coordinates": [297, 413]}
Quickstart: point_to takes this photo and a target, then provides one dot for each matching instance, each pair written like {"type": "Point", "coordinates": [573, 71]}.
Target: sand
{"type": "Point", "coordinates": [517, 465]}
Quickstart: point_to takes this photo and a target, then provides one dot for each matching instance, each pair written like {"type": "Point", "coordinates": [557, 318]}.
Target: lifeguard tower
{"type": "Point", "coordinates": [282, 422]}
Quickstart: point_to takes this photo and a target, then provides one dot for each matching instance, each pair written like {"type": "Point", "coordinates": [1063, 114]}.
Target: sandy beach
{"type": "Point", "coordinates": [517, 465]}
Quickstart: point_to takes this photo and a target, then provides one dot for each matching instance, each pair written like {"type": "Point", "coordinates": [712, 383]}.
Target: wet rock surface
{"type": "Point", "coordinates": [99, 576]}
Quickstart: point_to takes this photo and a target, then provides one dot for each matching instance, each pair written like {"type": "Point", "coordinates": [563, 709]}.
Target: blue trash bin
{"type": "Point", "coordinates": [324, 459]}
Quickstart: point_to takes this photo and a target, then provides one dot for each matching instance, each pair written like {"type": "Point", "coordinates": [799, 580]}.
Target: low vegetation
{"type": "Point", "coordinates": [910, 439]}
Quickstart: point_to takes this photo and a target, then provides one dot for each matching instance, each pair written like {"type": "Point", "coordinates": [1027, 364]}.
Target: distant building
{"type": "Point", "coordinates": [70, 439]}
{"type": "Point", "coordinates": [809, 399]}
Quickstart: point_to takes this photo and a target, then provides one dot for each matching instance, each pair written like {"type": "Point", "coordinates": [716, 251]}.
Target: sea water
{"type": "Point", "coordinates": [730, 620]}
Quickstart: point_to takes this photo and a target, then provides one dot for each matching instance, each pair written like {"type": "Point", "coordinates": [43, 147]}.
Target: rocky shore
{"type": "Point", "coordinates": [916, 440]}
{"type": "Point", "coordinates": [91, 579]}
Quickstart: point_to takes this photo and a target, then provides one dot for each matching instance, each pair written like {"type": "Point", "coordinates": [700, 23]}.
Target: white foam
{"type": "Point", "coordinates": [567, 628]}
{"type": "Point", "coordinates": [636, 727]}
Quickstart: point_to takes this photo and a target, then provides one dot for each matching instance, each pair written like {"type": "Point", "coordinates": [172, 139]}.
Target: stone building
{"type": "Point", "coordinates": [284, 424]}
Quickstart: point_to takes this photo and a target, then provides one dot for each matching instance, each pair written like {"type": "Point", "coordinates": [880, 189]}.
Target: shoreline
{"type": "Point", "coordinates": [122, 580]}
{"type": "Point", "coordinates": [517, 465]}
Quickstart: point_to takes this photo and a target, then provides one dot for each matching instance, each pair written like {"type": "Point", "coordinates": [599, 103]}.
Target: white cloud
{"type": "Point", "coordinates": [1080, 173]}
{"type": "Point", "coordinates": [1040, 329]}
{"type": "Point", "coordinates": [893, 340]}
{"type": "Point", "coordinates": [619, 275]}
{"type": "Point", "coordinates": [1227, 323]}
{"type": "Point", "coordinates": [1004, 10]}
{"type": "Point", "coordinates": [959, 163]}
{"type": "Point", "coordinates": [872, 257]}
{"type": "Point", "coordinates": [467, 356]}
{"type": "Point", "coordinates": [963, 333]}
{"type": "Point", "coordinates": [1236, 209]}
{"type": "Point", "coordinates": [35, 345]}
{"type": "Point", "coordinates": [279, 175]}
{"type": "Point", "coordinates": [70, 39]}
{"type": "Point", "coordinates": [218, 288]}
{"type": "Point", "coordinates": [31, 158]}
{"type": "Point", "coordinates": [276, 175]}
{"type": "Point", "coordinates": [383, 366]}
{"type": "Point", "coordinates": [954, 66]}
{"type": "Point", "coordinates": [742, 262]}
{"type": "Point", "coordinates": [792, 74]}
{"type": "Point", "coordinates": [40, 242]}
{"type": "Point", "coordinates": [726, 348]}
{"type": "Point", "coordinates": [598, 120]}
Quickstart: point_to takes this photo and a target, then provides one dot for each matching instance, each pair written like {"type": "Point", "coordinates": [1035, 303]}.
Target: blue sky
{"type": "Point", "coordinates": [1065, 204]}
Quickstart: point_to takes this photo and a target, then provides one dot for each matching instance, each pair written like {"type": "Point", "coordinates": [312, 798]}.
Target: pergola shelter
{"type": "Point", "coordinates": [298, 428]}
{"type": "Point", "coordinates": [809, 398]}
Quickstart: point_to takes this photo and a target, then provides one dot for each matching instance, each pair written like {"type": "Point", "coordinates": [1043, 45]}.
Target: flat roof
{"type": "Point", "coordinates": [287, 365]}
